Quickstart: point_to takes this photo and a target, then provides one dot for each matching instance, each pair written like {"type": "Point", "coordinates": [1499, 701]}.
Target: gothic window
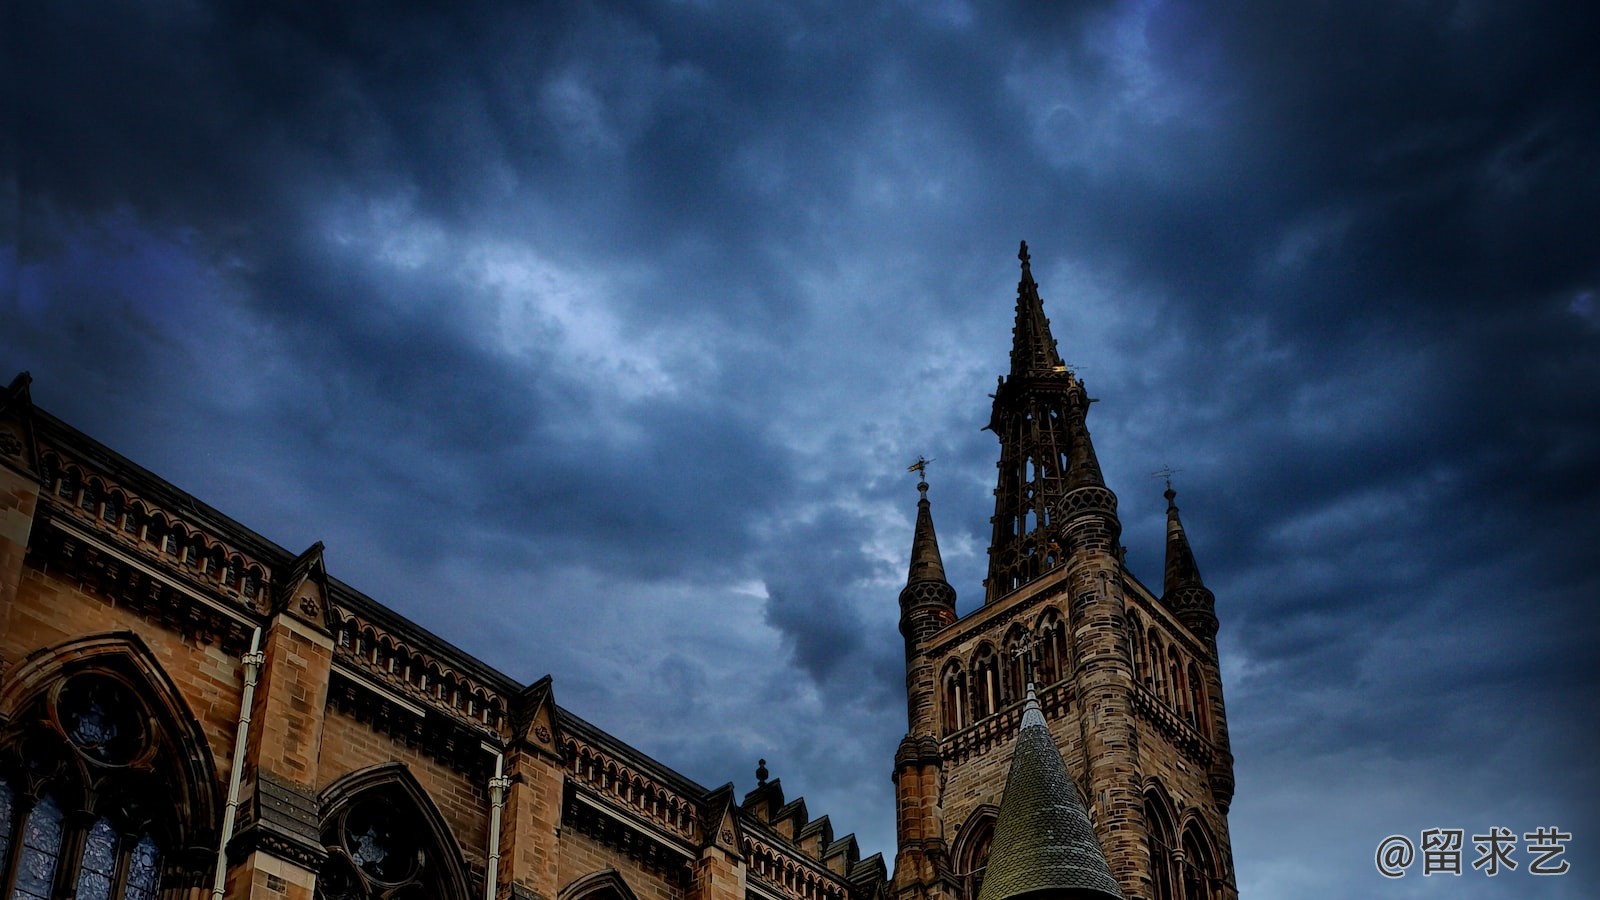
{"type": "Point", "coordinates": [1013, 687]}
{"type": "Point", "coordinates": [1052, 648]}
{"type": "Point", "coordinates": [1153, 677]}
{"type": "Point", "coordinates": [386, 841]}
{"type": "Point", "coordinates": [971, 852]}
{"type": "Point", "coordinates": [90, 791]}
{"type": "Point", "coordinates": [1175, 694]}
{"type": "Point", "coordinates": [985, 683]}
{"type": "Point", "coordinates": [1197, 701]}
{"type": "Point", "coordinates": [90, 498]}
{"type": "Point", "coordinates": [1198, 867]}
{"type": "Point", "coordinates": [112, 511]}
{"type": "Point", "coordinates": [953, 699]}
{"type": "Point", "coordinates": [1141, 667]}
{"type": "Point", "coordinates": [170, 542]}
{"type": "Point", "coordinates": [1158, 821]}
{"type": "Point", "coordinates": [130, 522]}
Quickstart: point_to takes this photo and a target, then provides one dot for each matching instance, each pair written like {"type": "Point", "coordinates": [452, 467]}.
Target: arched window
{"type": "Point", "coordinates": [1175, 693]}
{"type": "Point", "coordinates": [104, 776]}
{"type": "Point", "coordinates": [1155, 677]}
{"type": "Point", "coordinates": [985, 683]}
{"type": "Point", "coordinates": [1197, 702]}
{"type": "Point", "coordinates": [1052, 648]}
{"type": "Point", "coordinates": [1199, 865]}
{"type": "Point", "coordinates": [1013, 687]}
{"type": "Point", "coordinates": [953, 697]}
{"type": "Point", "coordinates": [970, 850]}
{"type": "Point", "coordinates": [385, 839]}
{"type": "Point", "coordinates": [1158, 822]}
{"type": "Point", "coordinates": [1141, 666]}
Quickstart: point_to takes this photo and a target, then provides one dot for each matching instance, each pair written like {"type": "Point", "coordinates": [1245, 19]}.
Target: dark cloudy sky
{"type": "Point", "coordinates": [597, 337]}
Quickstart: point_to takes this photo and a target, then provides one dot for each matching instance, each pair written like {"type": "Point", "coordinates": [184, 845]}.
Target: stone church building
{"type": "Point", "coordinates": [189, 710]}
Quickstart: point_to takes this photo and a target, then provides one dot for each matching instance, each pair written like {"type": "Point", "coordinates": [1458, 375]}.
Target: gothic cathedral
{"type": "Point", "coordinates": [1069, 652]}
{"type": "Point", "coordinates": [189, 710]}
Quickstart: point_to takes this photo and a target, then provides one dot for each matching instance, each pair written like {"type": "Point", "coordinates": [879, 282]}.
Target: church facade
{"type": "Point", "coordinates": [187, 709]}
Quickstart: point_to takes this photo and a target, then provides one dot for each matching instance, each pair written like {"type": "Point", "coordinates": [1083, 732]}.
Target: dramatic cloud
{"type": "Point", "coordinates": [596, 338]}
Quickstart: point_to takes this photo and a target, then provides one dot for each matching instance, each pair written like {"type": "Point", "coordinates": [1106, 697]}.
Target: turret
{"type": "Point", "coordinates": [927, 604]}
{"type": "Point", "coordinates": [1183, 592]}
{"type": "Point", "coordinates": [1044, 847]}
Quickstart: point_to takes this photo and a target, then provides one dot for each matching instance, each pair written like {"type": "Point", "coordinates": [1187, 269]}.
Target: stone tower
{"type": "Point", "coordinates": [1129, 688]}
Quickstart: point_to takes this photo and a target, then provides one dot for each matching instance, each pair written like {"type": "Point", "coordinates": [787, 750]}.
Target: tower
{"type": "Point", "coordinates": [1129, 692]}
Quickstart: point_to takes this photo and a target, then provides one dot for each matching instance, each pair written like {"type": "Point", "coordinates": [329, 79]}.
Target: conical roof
{"type": "Point", "coordinates": [1033, 349]}
{"type": "Point", "coordinates": [926, 563]}
{"type": "Point", "coordinates": [1181, 571]}
{"type": "Point", "coordinates": [1044, 846]}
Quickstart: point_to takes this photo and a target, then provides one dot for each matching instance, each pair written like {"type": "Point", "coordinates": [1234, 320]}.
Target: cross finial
{"type": "Point", "coordinates": [1166, 472]}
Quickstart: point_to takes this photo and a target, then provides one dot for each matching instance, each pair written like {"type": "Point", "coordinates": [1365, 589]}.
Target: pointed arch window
{"type": "Point", "coordinates": [1052, 648]}
{"type": "Point", "coordinates": [953, 698]}
{"type": "Point", "coordinates": [85, 803]}
{"type": "Point", "coordinates": [1158, 823]}
{"type": "Point", "coordinates": [386, 841]}
{"type": "Point", "coordinates": [971, 851]}
{"type": "Point", "coordinates": [1012, 688]}
{"type": "Point", "coordinates": [985, 683]}
{"type": "Point", "coordinates": [1198, 869]}
{"type": "Point", "coordinates": [1197, 702]}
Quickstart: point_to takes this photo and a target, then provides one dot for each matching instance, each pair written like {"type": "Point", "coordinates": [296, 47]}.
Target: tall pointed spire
{"type": "Point", "coordinates": [1044, 847]}
{"type": "Point", "coordinates": [928, 602]}
{"type": "Point", "coordinates": [1181, 589]}
{"type": "Point", "coordinates": [1032, 347]}
{"type": "Point", "coordinates": [1045, 453]}
{"type": "Point", "coordinates": [926, 563]}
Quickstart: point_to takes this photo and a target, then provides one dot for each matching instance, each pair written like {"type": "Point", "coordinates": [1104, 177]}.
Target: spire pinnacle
{"type": "Point", "coordinates": [926, 563]}
{"type": "Point", "coordinates": [1181, 570]}
{"type": "Point", "coordinates": [1033, 350]}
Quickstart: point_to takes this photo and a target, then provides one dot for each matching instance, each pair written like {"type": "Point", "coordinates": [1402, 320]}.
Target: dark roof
{"type": "Point", "coordinates": [1043, 845]}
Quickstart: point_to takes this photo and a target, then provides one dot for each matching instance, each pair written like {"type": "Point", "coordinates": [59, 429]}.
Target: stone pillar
{"type": "Point", "coordinates": [717, 875]}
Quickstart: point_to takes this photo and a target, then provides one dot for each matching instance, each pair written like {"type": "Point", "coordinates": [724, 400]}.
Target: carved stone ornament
{"type": "Point", "coordinates": [727, 835]}
{"type": "Point", "coordinates": [9, 445]}
{"type": "Point", "coordinates": [309, 607]}
{"type": "Point", "coordinates": [541, 732]}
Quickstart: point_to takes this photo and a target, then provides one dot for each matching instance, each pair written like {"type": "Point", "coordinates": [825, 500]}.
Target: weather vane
{"type": "Point", "coordinates": [920, 467]}
{"type": "Point", "coordinates": [1165, 472]}
{"type": "Point", "coordinates": [1024, 653]}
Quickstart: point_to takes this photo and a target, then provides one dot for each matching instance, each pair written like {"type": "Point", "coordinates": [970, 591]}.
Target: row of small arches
{"type": "Point", "coordinates": [114, 509]}
{"type": "Point", "coordinates": [989, 680]}
{"type": "Point", "coordinates": [796, 879]}
{"type": "Point", "coordinates": [1170, 674]}
{"type": "Point", "coordinates": [633, 789]}
{"type": "Point", "coordinates": [439, 682]}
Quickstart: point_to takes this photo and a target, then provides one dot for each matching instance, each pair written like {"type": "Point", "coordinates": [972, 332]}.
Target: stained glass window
{"type": "Point", "coordinates": [41, 844]}
{"type": "Point", "coordinates": [144, 871]}
{"type": "Point", "coordinates": [101, 719]}
{"type": "Point", "coordinates": [99, 863]}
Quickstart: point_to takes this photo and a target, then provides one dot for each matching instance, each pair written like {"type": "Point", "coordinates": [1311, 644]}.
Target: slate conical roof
{"type": "Point", "coordinates": [1044, 847]}
{"type": "Point", "coordinates": [926, 563]}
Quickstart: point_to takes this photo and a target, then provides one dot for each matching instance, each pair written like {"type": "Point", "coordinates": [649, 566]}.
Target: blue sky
{"type": "Point", "coordinates": [596, 338]}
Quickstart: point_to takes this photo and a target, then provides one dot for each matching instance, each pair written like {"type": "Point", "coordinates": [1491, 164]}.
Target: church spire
{"type": "Point", "coordinates": [1181, 589]}
{"type": "Point", "coordinates": [1044, 847]}
{"type": "Point", "coordinates": [1045, 453]}
{"type": "Point", "coordinates": [926, 563]}
{"type": "Point", "coordinates": [928, 602]}
{"type": "Point", "coordinates": [1032, 347]}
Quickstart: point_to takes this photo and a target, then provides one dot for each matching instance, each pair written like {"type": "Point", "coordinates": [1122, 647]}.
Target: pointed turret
{"type": "Point", "coordinates": [1045, 452]}
{"type": "Point", "coordinates": [1044, 846]}
{"type": "Point", "coordinates": [1182, 590]}
{"type": "Point", "coordinates": [928, 602]}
